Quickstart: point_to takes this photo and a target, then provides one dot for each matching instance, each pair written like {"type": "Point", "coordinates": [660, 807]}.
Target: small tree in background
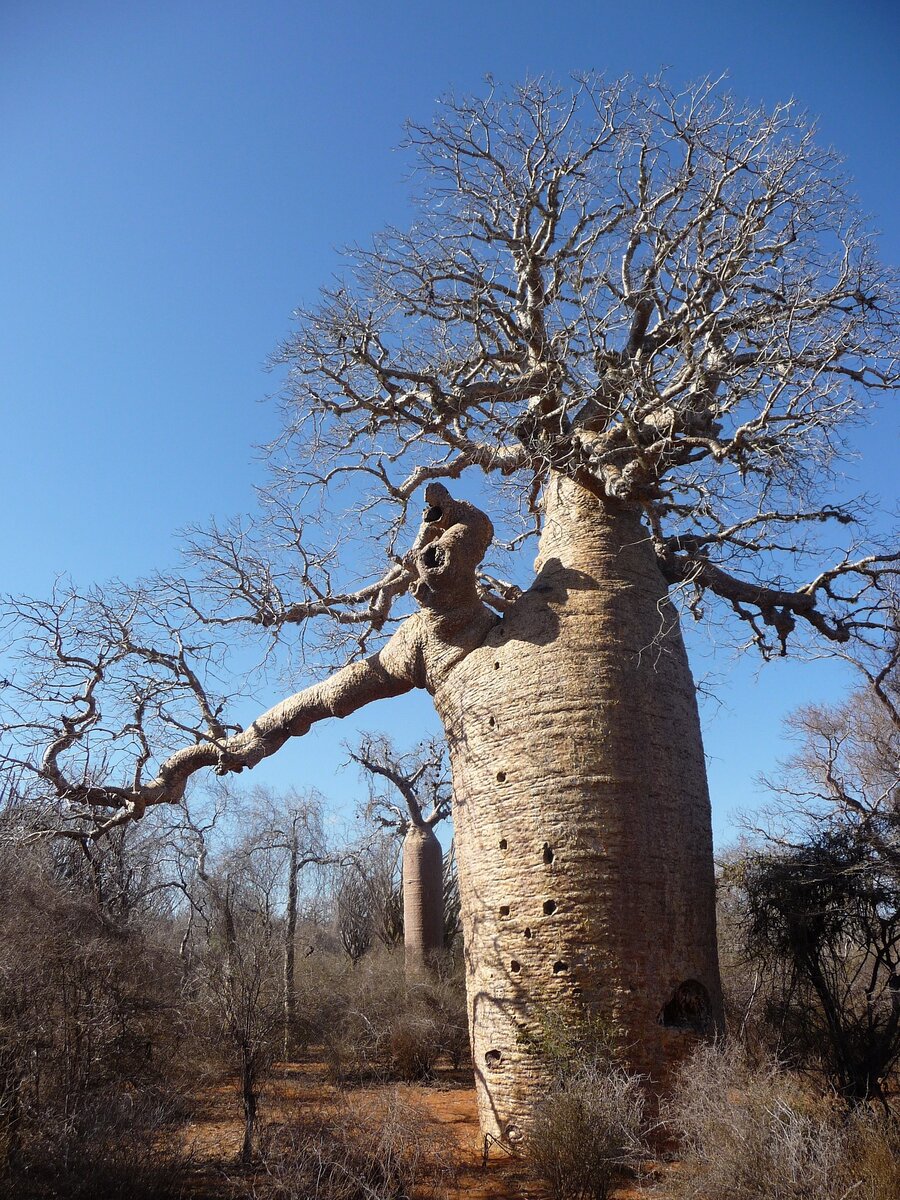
{"type": "Point", "coordinates": [819, 896]}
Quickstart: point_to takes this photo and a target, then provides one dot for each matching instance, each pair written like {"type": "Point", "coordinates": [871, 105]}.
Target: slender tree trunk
{"type": "Point", "coordinates": [248, 1096]}
{"type": "Point", "coordinates": [581, 813]}
{"type": "Point", "coordinates": [423, 898]}
{"type": "Point", "coordinates": [290, 933]}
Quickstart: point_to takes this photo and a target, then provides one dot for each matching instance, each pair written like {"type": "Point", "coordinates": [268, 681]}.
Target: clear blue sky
{"type": "Point", "coordinates": [174, 178]}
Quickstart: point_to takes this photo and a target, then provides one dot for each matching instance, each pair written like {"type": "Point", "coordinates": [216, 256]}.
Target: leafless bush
{"type": "Point", "coordinates": [374, 1022]}
{"type": "Point", "coordinates": [115, 1143]}
{"type": "Point", "coordinates": [377, 1150]}
{"type": "Point", "coordinates": [587, 1131]}
{"type": "Point", "coordinates": [750, 1133]}
{"type": "Point", "coordinates": [90, 1038]}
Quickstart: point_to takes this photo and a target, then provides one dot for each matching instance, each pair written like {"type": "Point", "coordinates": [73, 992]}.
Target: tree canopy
{"type": "Point", "coordinates": [667, 297]}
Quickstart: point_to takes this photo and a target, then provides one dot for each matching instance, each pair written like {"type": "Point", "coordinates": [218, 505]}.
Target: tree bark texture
{"type": "Point", "coordinates": [423, 898]}
{"type": "Point", "coordinates": [581, 813]}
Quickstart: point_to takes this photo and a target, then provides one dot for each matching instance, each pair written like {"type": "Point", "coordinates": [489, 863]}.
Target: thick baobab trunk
{"type": "Point", "coordinates": [423, 898]}
{"type": "Point", "coordinates": [581, 812]}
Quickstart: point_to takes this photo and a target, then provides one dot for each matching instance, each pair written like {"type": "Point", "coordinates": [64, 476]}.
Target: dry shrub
{"type": "Point", "coordinates": [92, 1053]}
{"type": "Point", "coordinates": [376, 1024]}
{"type": "Point", "coordinates": [588, 1131]}
{"type": "Point", "coordinates": [750, 1133]}
{"type": "Point", "coordinates": [114, 1144]}
{"type": "Point", "coordinates": [379, 1149]}
{"type": "Point", "coordinates": [874, 1156]}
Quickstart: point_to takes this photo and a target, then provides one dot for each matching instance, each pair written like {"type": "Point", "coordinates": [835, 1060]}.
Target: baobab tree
{"type": "Point", "coordinates": [422, 781]}
{"type": "Point", "coordinates": [649, 315]}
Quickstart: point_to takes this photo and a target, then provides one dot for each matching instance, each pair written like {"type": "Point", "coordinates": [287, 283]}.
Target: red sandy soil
{"type": "Point", "coordinates": [214, 1133]}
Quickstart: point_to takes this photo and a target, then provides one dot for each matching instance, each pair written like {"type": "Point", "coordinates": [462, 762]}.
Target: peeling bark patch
{"type": "Point", "coordinates": [515, 967]}
{"type": "Point", "coordinates": [501, 777]}
{"type": "Point", "coordinates": [560, 967]}
{"type": "Point", "coordinates": [493, 1059]}
{"type": "Point", "coordinates": [688, 1007]}
{"type": "Point", "coordinates": [548, 853]}
{"type": "Point", "coordinates": [504, 910]}
{"type": "Point", "coordinates": [549, 907]}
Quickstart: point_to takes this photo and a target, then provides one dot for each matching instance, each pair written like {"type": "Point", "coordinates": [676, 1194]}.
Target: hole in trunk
{"type": "Point", "coordinates": [501, 777]}
{"type": "Point", "coordinates": [560, 967]}
{"type": "Point", "coordinates": [549, 907]}
{"type": "Point", "coordinates": [504, 910]}
{"type": "Point", "coordinates": [492, 721]}
{"type": "Point", "coordinates": [496, 666]}
{"type": "Point", "coordinates": [576, 991]}
{"type": "Point", "coordinates": [515, 967]}
{"type": "Point", "coordinates": [528, 933]}
{"type": "Point", "coordinates": [513, 1134]}
{"type": "Point", "coordinates": [548, 853]}
{"type": "Point", "coordinates": [433, 557]}
{"type": "Point", "coordinates": [493, 1059]}
{"type": "Point", "coordinates": [503, 843]}
{"type": "Point", "coordinates": [433, 514]}
{"type": "Point", "coordinates": [688, 1008]}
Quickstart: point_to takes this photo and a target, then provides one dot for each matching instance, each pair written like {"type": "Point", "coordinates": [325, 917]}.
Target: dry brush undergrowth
{"type": "Point", "coordinates": [93, 1062]}
{"type": "Point", "coordinates": [590, 1128]}
{"type": "Point", "coordinates": [751, 1132]}
{"type": "Point", "coordinates": [375, 1023]}
{"type": "Point", "coordinates": [369, 1148]}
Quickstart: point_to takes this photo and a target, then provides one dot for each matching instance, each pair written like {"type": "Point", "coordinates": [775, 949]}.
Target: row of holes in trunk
{"type": "Point", "coordinates": [549, 907]}
{"type": "Point", "coordinates": [559, 968]}
{"type": "Point", "coordinates": [547, 852]}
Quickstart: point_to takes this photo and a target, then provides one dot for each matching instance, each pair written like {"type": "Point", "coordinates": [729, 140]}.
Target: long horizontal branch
{"type": "Point", "coordinates": [379, 677]}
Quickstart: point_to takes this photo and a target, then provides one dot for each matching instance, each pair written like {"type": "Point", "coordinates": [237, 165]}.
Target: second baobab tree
{"type": "Point", "coordinates": [420, 797]}
{"type": "Point", "coordinates": [647, 317]}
